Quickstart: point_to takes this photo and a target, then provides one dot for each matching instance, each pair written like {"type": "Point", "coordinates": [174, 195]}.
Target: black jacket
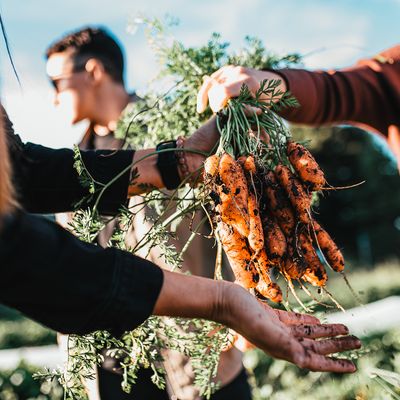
{"type": "Point", "coordinates": [48, 274]}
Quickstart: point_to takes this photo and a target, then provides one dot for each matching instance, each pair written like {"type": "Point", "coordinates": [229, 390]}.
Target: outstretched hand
{"type": "Point", "coordinates": [306, 329]}
{"type": "Point", "coordinates": [298, 338]}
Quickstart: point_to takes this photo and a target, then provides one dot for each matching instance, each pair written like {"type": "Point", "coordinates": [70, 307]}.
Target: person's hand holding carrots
{"type": "Point", "coordinates": [225, 83]}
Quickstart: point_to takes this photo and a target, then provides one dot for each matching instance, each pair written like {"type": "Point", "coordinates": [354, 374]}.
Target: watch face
{"type": "Point", "coordinates": [168, 157]}
{"type": "Point", "coordinates": [169, 144]}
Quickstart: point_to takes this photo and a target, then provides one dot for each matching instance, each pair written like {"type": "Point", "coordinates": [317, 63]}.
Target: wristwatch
{"type": "Point", "coordinates": [167, 164]}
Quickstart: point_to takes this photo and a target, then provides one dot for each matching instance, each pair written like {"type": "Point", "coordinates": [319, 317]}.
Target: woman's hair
{"type": "Point", "coordinates": [7, 198]}
{"type": "Point", "coordinates": [7, 201]}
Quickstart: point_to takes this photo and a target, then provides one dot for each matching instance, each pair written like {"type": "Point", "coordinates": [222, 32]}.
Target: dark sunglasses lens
{"type": "Point", "coordinates": [54, 84]}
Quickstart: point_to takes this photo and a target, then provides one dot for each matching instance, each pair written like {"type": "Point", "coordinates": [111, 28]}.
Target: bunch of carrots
{"type": "Point", "coordinates": [261, 195]}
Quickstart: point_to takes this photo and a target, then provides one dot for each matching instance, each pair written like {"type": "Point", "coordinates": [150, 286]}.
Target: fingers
{"type": "Point", "coordinates": [218, 95]}
{"type": "Point", "coordinates": [319, 331]}
{"type": "Point", "coordinates": [202, 95]}
{"type": "Point", "coordinates": [335, 345]}
{"type": "Point", "coordinates": [218, 88]}
{"type": "Point", "coordinates": [226, 83]}
{"type": "Point", "coordinates": [317, 362]}
{"type": "Point", "coordinates": [219, 74]}
{"type": "Point", "coordinates": [292, 318]}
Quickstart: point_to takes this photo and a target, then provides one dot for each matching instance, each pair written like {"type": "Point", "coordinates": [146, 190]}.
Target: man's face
{"type": "Point", "coordinates": [73, 92]}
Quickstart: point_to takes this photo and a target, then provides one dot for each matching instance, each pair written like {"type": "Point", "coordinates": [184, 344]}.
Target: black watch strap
{"type": "Point", "coordinates": [167, 164]}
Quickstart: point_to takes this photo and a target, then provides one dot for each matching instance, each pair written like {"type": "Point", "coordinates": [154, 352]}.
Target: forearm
{"type": "Point", "coordinates": [362, 95]}
{"type": "Point", "coordinates": [47, 181]}
{"type": "Point", "coordinates": [145, 174]}
{"type": "Point", "coordinates": [324, 97]}
{"type": "Point", "coordinates": [220, 301]}
{"type": "Point", "coordinates": [192, 297]}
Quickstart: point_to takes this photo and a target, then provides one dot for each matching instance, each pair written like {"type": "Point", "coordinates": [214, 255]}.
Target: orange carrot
{"type": "Point", "coordinates": [211, 166]}
{"type": "Point", "coordinates": [305, 165]}
{"type": "Point", "coordinates": [298, 197]}
{"type": "Point", "coordinates": [270, 291]}
{"type": "Point", "coordinates": [333, 255]}
{"type": "Point", "coordinates": [241, 160]}
{"type": "Point", "coordinates": [233, 194]}
{"type": "Point", "coordinates": [279, 205]}
{"type": "Point", "coordinates": [256, 235]}
{"type": "Point", "coordinates": [250, 165]}
{"type": "Point", "coordinates": [315, 272]}
{"type": "Point", "coordinates": [265, 286]}
{"type": "Point", "coordinates": [238, 254]}
{"type": "Point", "coordinates": [294, 265]}
{"type": "Point", "coordinates": [274, 240]}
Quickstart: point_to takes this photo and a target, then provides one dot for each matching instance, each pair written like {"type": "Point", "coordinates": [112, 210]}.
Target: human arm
{"type": "Point", "coordinates": [69, 285]}
{"type": "Point", "coordinates": [75, 287]}
{"type": "Point", "coordinates": [283, 335]}
{"type": "Point", "coordinates": [201, 142]}
{"type": "Point", "coordinates": [46, 180]}
{"type": "Point", "coordinates": [367, 93]}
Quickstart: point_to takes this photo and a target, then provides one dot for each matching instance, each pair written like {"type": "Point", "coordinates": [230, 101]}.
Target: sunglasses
{"type": "Point", "coordinates": [61, 82]}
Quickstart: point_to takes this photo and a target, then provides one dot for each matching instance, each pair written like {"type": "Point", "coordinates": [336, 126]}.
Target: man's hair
{"type": "Point", "coordinates": [95, 43]}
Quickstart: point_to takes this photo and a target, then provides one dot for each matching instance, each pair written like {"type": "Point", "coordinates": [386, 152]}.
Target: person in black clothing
{"type": "Point", "coordinates": [86, 69]}
{"type": "Point", "coordinates": [75, 287]}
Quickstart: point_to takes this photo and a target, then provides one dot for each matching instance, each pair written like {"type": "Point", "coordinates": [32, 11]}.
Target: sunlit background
{"type": "Point", "coordinates": [329, 33]}
{"type": "Point", "coordinates": [365, 221]}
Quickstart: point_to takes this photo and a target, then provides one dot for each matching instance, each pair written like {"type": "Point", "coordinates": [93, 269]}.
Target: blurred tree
{"type": "Point", "coordinates": [18, 384]}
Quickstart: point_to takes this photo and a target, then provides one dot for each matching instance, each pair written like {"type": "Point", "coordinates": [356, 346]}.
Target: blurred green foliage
{"type": "Point", "coordinates": [18, 384]}
{"type": "Point", "coordinates": [24, 332]}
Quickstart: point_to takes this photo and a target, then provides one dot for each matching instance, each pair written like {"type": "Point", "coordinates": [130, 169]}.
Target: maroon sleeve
{"type": "Point", "coordinates": [366, 94]}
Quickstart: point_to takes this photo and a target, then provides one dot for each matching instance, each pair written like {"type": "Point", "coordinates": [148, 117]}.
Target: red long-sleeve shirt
{"type": "Point", "coordinates": [366, 95]}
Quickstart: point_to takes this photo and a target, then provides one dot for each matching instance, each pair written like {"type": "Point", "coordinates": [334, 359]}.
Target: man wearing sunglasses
{"type": "Point", "coordinates": [86, 69]}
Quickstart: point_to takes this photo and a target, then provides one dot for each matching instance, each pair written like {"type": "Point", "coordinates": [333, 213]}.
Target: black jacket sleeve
{"type": "Point", "coordinates": [71, 286]}
{"type": "Point", "coordinates": [46, 180]}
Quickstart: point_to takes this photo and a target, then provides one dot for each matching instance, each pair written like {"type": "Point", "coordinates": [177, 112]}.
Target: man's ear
{"type": "Point", "coordinates": [95, 69]}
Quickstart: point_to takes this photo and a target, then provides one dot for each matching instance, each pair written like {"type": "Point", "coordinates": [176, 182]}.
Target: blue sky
{"type": "Point", "coordinates": [342, 31]}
